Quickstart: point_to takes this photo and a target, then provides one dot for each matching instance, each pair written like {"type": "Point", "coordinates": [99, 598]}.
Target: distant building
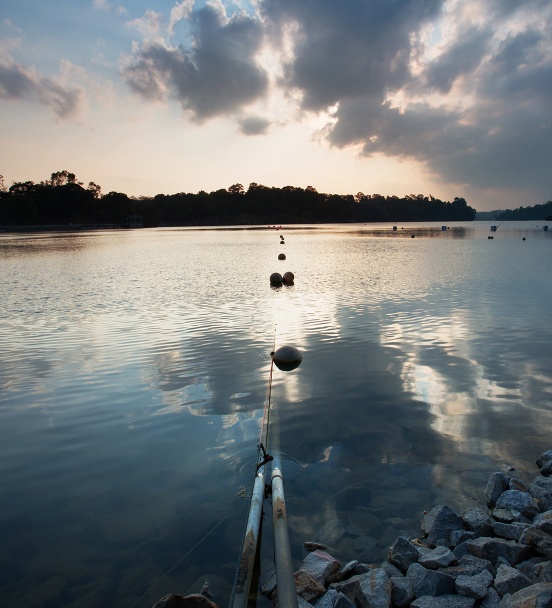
{"type": "Point", "coordinates": [135, 221]}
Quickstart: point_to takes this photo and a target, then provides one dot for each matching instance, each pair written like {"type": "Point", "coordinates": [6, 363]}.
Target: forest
{"type": "Point", "coordinates": [63, 200]}
{"type": "Point", "coordinates": [537, 212]}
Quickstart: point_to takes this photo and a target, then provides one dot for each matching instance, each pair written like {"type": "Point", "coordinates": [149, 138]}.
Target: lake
{"type": "Point", "coordinates": [134, 368]}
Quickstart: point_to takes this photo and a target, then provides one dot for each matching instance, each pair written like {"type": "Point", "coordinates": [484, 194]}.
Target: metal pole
{"type": "Point", "coordinates": [242, 584]}
{"type": "Point", "coordinates": [285, 581]}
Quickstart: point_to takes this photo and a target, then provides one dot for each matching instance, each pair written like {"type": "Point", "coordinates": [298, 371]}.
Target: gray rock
{"type": "Point", "coordinates": [440, 557]}
{"type": "Point", "coordinates": [269, 586]}
{"type": "Point", "coordinates": [390, 570]}
{"type": "Point", "coordinates": [543, 572]}
{"type": "Point", "coordinates": [310, 546]}
{"type": "Point", "coordinates": [348, 587]}
{"type": "Point", "coordinates": [402, 591]}
{"type": "Point", "coordinates": [402, 553]}
{"type": "Point", "coordinates": [469, 565]}
{"type": "Point", "coordinates": [430, 582]}
{"type": "Point", "coordinates": [497, 484]}
{"type": "Point", "coordinates": [504, 516]}
{"type": "Point", "coordinates": [538, 538]}
{"type": "Point", "coordinates": [544, 462]}
{"type": "Point", "coordinates": [374, 590]}
{"type": "Point", "coordinates": [462, 549]}
{"type": "Point", "coordinates": [459, 536]}
{"type": "Point", "coordinates": [474, 586]}
{"type": "Point", "coordinates": [307, 588]}
{"type": "Point", "coordinates": [541, 489]}
{"type": "Point", "coordinates": [362, 568]}
{"type": "Point", "coordinates": [438, 525]}
{"type": "Point", "coordinates": [344, 572]}
{"type": "Point", "coordinates": [443, 601]}
{"type": "Point", "coordinates": [301, 603]}
{"type": "Point", "coordinates": [333, 599]}
{"type": "Point", "coordinates": [492, 599]}
{"type": "Point", "coordinates": [535, 596]}
{"type": "Point", "coordinates": [493, 548]}
{"type": "Point", "coordinates": [478, 520]}
{"type": "Point", "coordinates": [510, 580]}
{"type": "Point", "coordinates": [517, 484]}
{"type": "Point", "coordinates": [529, 568]}
{"type": "Point", "coordinates": [518, 501]}
{"type": "Point", "coordinates": [544, 521]}
{"type": "Point", "coordinates": [320, 565]}
{"type": "Point", "coordinates": [509, 531]}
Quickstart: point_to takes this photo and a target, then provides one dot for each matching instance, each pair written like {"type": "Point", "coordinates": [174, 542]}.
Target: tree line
{"type": "Point", "coordinates": [63, 199]}
{"type": "Point", "coordinates": [535, 213]}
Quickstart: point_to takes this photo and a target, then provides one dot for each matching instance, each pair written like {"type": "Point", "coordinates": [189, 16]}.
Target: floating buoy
{"type": "Point", "coordinates": [288, 277]}
{"type": "Point", "coordinates": [523, 239]}
{"type": "Point", "coordinates": [287, 358]}
{"type": "Point", "coordinates": [412, 236]}
{"type": "Point", "coordinates": [490, 237]}
{"type": "Point", "coordinates": [276, 278]}
{"type": "Point", "coordinates": [282, 256]}
{"type": "Point", "coordinates": [282, 243]}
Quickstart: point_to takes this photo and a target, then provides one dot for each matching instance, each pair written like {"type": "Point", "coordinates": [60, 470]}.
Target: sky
{"type": "Point", "coordinates": [449, 98]}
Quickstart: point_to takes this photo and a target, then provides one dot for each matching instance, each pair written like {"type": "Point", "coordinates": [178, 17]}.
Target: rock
{"type": "Point", "coordinates": [310, 546]}
{"type": "Point", "coordinates": [477, 520]}
{"type": "Point", "coordinates": [497, 484]}
{"type": "Point", "coordinates": [541, 490]}
{"type": "Point", "coordinates": [444, 601]}
{"type": "Point", "coordinates": [430, 582]}
{"type": "Point", "coordinates": [459, 536]}
{"type": "Point", "coordinates": [474, 586]}
{"type": "Point", "coordinates": [538, 538]}
{"type": "Point", "coordinates": [517, 484]}
{"type": "Point", "coordinates": [509, 531]}
{"type": "Point", "coordinates": [308, 588]}
{"type": "Point", "coordinates": [504, 516]}
{"type": "Point", "coordinates": [468, 565]}
{"type": "Point", "coordinates": [333, 599]}
{"type": "Point", "coordinates": [374, 590]}
{"type": "Point", "coordinates": [194, 600]}
{"type": "Point", "coordinates": [543, 572]}
{"type": "Point", "coordinates": [344, 572]}
{"type": "Point", "coordinates": [441, 557]}
{"type": "Point", "coordinates": [510, 580]}
{"type": "Point", "coordinates": [493, 548]}
{"type": "Point", "coordinates": [320, 565]}
{"type": "Point", "coordinates": [544, 521]}
{"type": "Point", "coordinates": [391, 570]}
{"type": "Point", "coordinates": [492, 599]}
{"type": "Point", "coordinates": [403, 553]}
{"type": "Point", "coordinates": [402, 591]}
{"type": "Point", "coordinates": [544, 462]}
{"type": "Point", "coordinates": [535, 596]}
{"type": "Point", "coordinates": [529, 568]}
{"type": "Point", "coordinates": [348, 587]}
{"type": "Point", "coordinates": [439, 523]}
{"type": "Point", "coordinates": [518, 501]}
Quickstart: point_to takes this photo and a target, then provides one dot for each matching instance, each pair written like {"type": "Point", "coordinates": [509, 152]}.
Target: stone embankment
{"type": "Point", "coordinates": [500, 557]}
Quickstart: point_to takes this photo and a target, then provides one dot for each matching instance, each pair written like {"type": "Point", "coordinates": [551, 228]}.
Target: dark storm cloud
{"type": "Point", "coordinates": [347, 49]}
{"type": "Point", "coordinates": [217, 76]}
{"type": "Point", "coordinates": [20, 82]}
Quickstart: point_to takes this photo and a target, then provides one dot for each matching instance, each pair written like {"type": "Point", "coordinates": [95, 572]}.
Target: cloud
{"type": "Point", "coordinates": [18, 82]}
{"type": "Point", "coordinates": [181, 10]}
{"type": "Point", "coordinates": [254, 125]}
{"type": "Point", "coordinates": [464, 88]}
{"type": "Point", "coordinates": [217, 76]}
{"type": "Point", "coordinates": [149, 25]}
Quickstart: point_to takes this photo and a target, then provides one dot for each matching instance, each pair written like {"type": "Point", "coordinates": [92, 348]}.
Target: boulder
{"type": "Point", "coordinates": [544, 462]}
{"type": "Point", "coordinates": [498, 483]}
{"type": "Point", "coordinates": [443, 601]}
{"type": "Point", "coordinates": [403, 553]}
{"type": "Point", "coordinates": [320, 565]}
{"type": "Point", "coordinates": [439, 523]}
{"type": "Point", "coordinates": [538, 538]}
{"type": "Point", "coordinates": [374, 590]}
{"type": "Point", "coordinates": [510, 580]}
{"type": "Point", "coordinates": [430, 582]}
{"type": "Point", "coordinates": [516, 500]}
{"type": "Point", "coordinates": [474, 586]}
{"type": "Point", "coordinates": [477, 520]}
{"type": "Point", "coordinates": [333, 599]}
{"type": "Point", "coordinates": [402, 591]}
{"type": "Point", "coordinates": [493, 548]}
{"type": "Point", "coordinates": [535, 596]}
{"type": "Point", "coordinates": [440, 557]}
{"type": "Point", "coordinates": [308, 588]}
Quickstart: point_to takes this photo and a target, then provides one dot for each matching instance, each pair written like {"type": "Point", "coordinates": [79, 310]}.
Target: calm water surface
{"type": "Point", "coordinates": [134, 368]}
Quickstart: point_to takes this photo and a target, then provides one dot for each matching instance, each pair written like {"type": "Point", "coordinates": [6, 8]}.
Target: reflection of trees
{"type": "Point", "coordinates": [63, 199]}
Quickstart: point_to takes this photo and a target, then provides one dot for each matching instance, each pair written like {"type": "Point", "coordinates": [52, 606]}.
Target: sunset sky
{"type": "Point", "coordinates": [448, 98]}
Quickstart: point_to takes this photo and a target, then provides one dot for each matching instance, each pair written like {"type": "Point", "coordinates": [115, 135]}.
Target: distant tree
{"type": "Point", "coordinates": [236, 189]}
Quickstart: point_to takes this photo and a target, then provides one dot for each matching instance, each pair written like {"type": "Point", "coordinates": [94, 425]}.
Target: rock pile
{"type": "Point", "coordinates": [499, 557]}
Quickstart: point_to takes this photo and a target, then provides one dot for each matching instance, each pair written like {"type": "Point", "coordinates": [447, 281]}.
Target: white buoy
{"type": "Point", "coordinates": [276, 278]}
{"type": "Point", "coordinates": [287, 358]}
